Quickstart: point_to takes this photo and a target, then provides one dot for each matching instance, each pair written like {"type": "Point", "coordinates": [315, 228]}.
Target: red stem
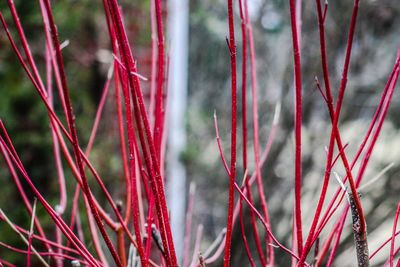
{"type": "Point", "coordinates": [122, 144]}
{"type": "Point", "coordinates": [58, 221]}
{"type": "Point", "coordinates": [260, 186]}
{"type": "Point", "coordinates": [159, 107]}
{"type": "Point", "coordinates": [329, 211]}
{"type": "Point", "coordinates": [342, 88]}
{"type": "Point", "coordinates": [20, 189]}
{"type": "Point", "coordinates": [153, 75]}
{"type": "Point", "coordinates": [396, 218]}
{"type": "Point", "coordinates": [264, 156]}
{"type": "Point", "coordinates": [298, 123]}
{"type": "Point", "coordinates": [392, 82]}
{"type": "Point", "coordinates": [383, 244]}
{"type": "Point", "coordinates": [243, 235]}
{"type": "Point", "coordinates": [132, 170]}
{"type": "Point", "coordinates": [75, 143]}
{"type": "Point", "coordinates": [232, 49]}
{"type": "Point", "coordinates": [244, 138]}
{"type": "Point", "coordinates": [155, 175]}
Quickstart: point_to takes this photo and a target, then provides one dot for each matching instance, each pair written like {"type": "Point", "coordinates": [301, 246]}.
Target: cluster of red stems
{"type": "Point", "coordinates": [142, 146]}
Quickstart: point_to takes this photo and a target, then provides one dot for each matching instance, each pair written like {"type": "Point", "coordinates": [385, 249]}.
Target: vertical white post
{"type": "Point", "coordinates": [178, 28]}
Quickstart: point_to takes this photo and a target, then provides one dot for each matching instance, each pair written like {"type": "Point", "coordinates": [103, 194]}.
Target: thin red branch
{"type": "Point", "coordinates": [159, 105]}
{"type": "Point", "coordinates": [232, 49]}
{"type": "Point", "coordinates": [298, 124]}
{"type": "Point", "coordinates": [75, 143]}
{"type": "Point", "coordinates": [396, 218]}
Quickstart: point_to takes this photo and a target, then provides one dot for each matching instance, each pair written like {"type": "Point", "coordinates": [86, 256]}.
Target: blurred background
{"type": "Point", "coordinates": [88, 57]}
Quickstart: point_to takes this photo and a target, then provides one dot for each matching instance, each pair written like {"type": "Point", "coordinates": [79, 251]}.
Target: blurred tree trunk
{"type": "Point", "coordinates": [178, 25]}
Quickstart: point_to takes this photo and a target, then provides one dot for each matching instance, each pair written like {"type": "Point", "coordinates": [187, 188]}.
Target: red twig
{"type": "Point", "coordinates": [159, 107]}
{"type": "Point", "coordinates": [383, 245]}
{"type": "Point", "coordinates": [256, 139]}
{"type": "Point", "coordinates": [72, 129]}
{"type": "Point", "coordinates": [332, 138]}
{"type": "Point", "coordinates": [244, 124]}
{"type": "Point", "coordinates": [232, 49]}
{"type": "Point", "coordinates": [143, 126]}
{"type": "Point", "coordinates": [298, 123]}
{"type": "Point", "coordinates": [396, 218]}
{"type": "Point", "coordinates": [58, 221]}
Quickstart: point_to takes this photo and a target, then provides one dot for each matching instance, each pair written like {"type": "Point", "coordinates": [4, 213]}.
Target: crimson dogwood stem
{"type": "Point", "coordinates": [244, 137]}
{"type": "Point", "coordinates": [49, 242]}
{"type": "Point", "coordinates": [392, 82]}
{"type": "Point", "coordinates": [298, 123]}
{"type": "Point", "coordinates": [329, 212]}
{"type": "Point", "coordinates": [25, 43]}
{"type": "Point", "coordinates": [58, 256]}
{"type": "Point", "coordinates": [159, 105]}
{"type": "Point", "coordinates": [55, 119]}
{"type": "Point", "coordinates": [122, 144]}
{"type": "Point", "coordinates": [242, 195]}
{"type": "Point", "coordinates": [391, 255]}
{"type": "Point", "coordinates": [243, 234]}
{"type": "Point", "coordinates": [244, 140]}
{"type": "Point", "coordinates": [60, 208]}
{"type": "Point", "coordinates": [153, 74]}
{"type": "Point", "coordinates": [332, 113]}
{"type": "Point", "coordinates": [133, 190]}
{"type": "Point", "coordinates": [254, 84]}
{"type": "Point", "coordinates": [41, 92]}
{"type": "Point", "coordinates": [134, 200]}
{"type": "Point", "coordinates": [264, 156]}
{"type": "Point", "coordinates": [75, 143]}
{"type": "Point", "coordinates": [384, 244]}
{"type": "Point", "coordinates": [342, 88]}
{"type": "Point", "coordinates": [59, 222]}
{"type": "Point", "coordinates": [21, 190]}
{"type": "Point", "coordinates": [388, 87]}
{"type": "Point", "coordinates": [139, 106]}
{"type": "Point", "coordinates": [232, 52]}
